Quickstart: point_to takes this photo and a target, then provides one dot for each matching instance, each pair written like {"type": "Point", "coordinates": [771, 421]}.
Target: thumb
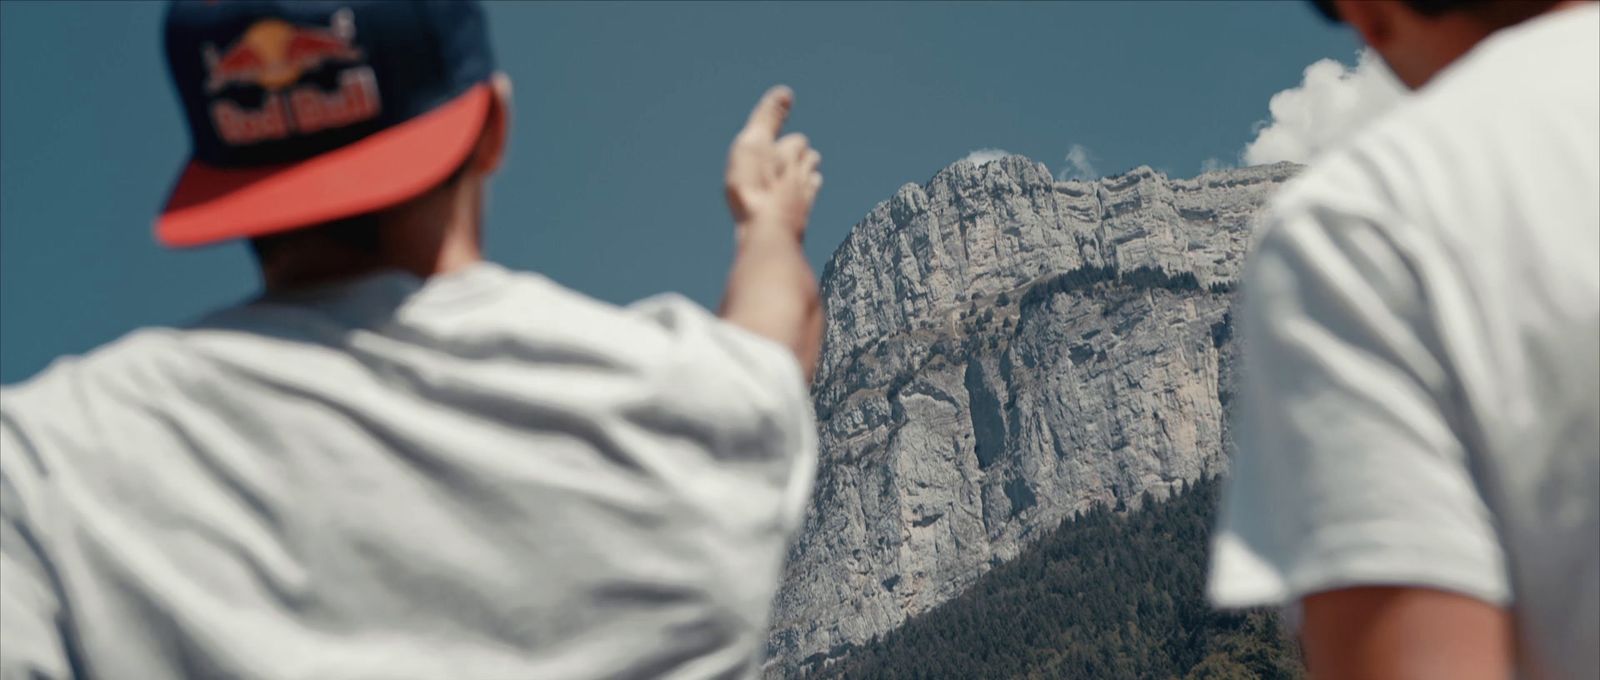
{"type": "Point", "coordinates": [766, 120]}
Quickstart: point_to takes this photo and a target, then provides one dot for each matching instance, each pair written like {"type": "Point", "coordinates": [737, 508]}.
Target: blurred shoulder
{"type": "Point", "coordinates": [1512, 86]}
{"type": "Point", "coordinates": [68, 400]}
{"type": "Point", "coordinates": [530, 308]}
{"type": "Point", "coordinates": [134, 357]}
{"type": "Point", "coordinates": [1512, 128]}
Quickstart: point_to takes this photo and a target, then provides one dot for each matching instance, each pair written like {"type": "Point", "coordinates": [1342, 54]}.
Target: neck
{"type": "Point", "coordinates": [434, 234]}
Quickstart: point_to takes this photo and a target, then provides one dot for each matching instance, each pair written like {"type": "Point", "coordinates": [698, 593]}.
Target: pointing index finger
{"type": "Point", "coordinates": [768, 116]}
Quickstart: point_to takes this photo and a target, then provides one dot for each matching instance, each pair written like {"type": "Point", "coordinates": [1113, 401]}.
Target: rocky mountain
{"type": "Point", "coordinates": [1005, 351]}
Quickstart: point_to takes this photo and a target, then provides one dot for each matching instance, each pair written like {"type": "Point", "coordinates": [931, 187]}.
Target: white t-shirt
{"type": "Point", "coordinates": [478, 476]}
{"type": "Point", "coordinates": [1420, 386]}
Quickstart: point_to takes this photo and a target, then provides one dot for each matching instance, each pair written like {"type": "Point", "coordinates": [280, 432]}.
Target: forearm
{"type": "Point", "coordinates": [772, 292]}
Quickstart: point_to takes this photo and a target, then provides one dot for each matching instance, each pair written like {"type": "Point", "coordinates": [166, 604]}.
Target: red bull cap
{"type": "Point", "coordinates": [306, 111]}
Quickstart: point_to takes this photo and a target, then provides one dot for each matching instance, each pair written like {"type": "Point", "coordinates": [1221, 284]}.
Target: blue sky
{"type": "Point", "coordinates": [624, 112]}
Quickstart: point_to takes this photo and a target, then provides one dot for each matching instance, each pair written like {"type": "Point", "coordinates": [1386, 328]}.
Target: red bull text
{"type": "Point", "coordinates": [274, 55]}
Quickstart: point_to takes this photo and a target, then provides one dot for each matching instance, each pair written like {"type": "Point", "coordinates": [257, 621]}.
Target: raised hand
{"type": "Point", "coordinates": [772, 182]}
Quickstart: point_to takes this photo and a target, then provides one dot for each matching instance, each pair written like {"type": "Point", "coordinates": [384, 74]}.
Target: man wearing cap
{"type": "Point", "coordinates": [1418, 466]}
{"type": "Point", "coordinates": [401, 461]}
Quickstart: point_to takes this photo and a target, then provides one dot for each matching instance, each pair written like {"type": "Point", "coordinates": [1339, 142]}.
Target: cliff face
{"type": "Point", "coordinates": [1004, 350]}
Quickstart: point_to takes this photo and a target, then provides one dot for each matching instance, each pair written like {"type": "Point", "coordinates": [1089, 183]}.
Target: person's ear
{"type": "Point", "coordinates": [491, 149]}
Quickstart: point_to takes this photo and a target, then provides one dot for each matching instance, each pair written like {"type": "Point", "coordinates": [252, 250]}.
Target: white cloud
{"type": "Point", "coordinates": [981, 156]}
{"type": "Point", "coordinates": [1331, 102]}
{"type": "Point", "coordinates": [1080, 164]}
{"type": "Point", "coordinates": [1214, 163]}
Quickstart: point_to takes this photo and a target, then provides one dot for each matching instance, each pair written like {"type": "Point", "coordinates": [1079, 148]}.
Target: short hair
{"type": "Point", "coordinates": [1495, 13]}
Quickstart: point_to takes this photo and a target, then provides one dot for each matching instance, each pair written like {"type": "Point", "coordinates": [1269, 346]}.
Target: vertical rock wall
{"type": "Point", "coordinates": [1004, 350]}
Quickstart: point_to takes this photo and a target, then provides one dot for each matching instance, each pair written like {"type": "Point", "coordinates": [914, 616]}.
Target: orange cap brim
{"type": "Point", "coordinates": [211, 204]}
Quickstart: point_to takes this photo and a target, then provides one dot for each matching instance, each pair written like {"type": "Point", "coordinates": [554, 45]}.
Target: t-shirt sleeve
{"type": "Point", "coordinates": [1350, 466]}
{"type": "Point", "coordinates": [31, 645]}
{"type": "Point", "coordinates": [741, 399]}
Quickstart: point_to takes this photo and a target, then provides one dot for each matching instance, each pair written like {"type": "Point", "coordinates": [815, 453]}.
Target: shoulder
{"type": "Point", "coordinates": [490, 298]}
{"type": "Point", "coordinates": [690, 331]}
{"type": "Point", "coordinates": [68, 404]}
{"type": "Point", "coordinates": [666, 338]}
{"type": "Point", "coordinates": [126, 363]}
{"type": "Point", "coordinates": [691, 377]}
{"type": "Point", "coordinates": [1511, 111]}
{"type": "Point", "coordinates": [1507, 130]}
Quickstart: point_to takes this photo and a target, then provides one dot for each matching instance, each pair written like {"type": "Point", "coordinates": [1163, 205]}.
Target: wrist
{"type": "Point", "coordinates": [767, 231]}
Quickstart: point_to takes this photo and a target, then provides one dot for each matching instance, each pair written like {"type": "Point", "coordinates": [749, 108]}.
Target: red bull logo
{"type": "Point", "coordinates": [275, 55]}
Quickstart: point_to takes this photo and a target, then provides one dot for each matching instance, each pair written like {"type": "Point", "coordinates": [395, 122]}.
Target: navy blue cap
{"type": "Point", "coordinates": [269, 85]}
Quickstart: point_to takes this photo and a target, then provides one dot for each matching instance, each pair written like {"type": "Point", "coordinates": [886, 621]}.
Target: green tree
{"type": "Point", "coordinates": [1105, 595]}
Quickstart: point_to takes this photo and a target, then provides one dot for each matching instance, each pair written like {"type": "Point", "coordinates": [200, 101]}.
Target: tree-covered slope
{"type": "Point", "coordinates": [1105, 595]}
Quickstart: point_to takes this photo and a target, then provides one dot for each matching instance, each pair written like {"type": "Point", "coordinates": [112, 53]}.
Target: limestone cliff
{"type": "Point", "coordinates": [1004, 350]}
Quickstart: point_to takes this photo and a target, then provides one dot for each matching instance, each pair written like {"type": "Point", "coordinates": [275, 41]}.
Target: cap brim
{"type": "Point", "coordinates": [211, 204]}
